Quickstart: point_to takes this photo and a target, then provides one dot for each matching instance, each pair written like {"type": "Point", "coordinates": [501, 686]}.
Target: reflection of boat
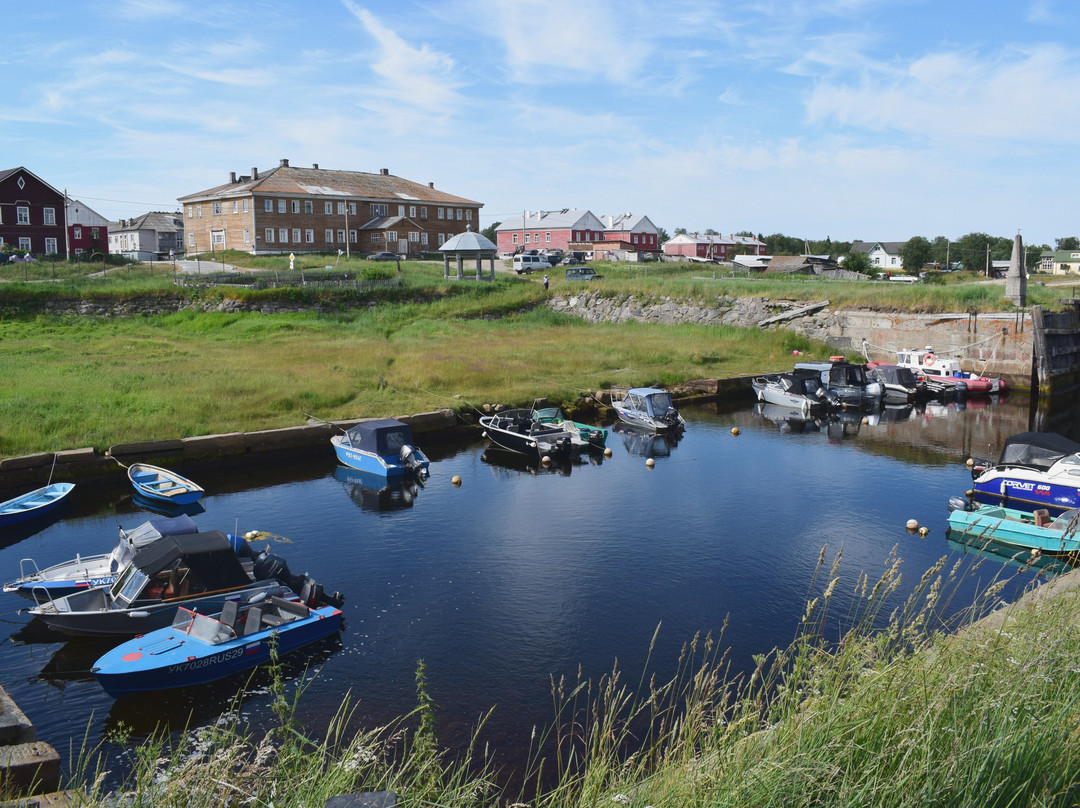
{"type": "Point", "coordinates": [1013, 556]}
{"type": "Point", "coordinates": [83, 572]}
{"type": "Point", "coordinates": [899, 384]}
{"type": "Point", "coordinates": [1023, 529]}
{"type": "Point", "coordinates": [199, 648]}
{"type": "Point", "coordinates": [646, 442]}
{"type": "Point", "coordinates": [801, 389]}
{"type": "Point", "coordinates": [943, 373]}
{"type": "Point", "coordinates": [514, 461]}
{"type": "Point", "coordinates": [383, 446]}
{"type": "Point", "coordinates": [518, 431]}
{"type": "Point", "coordinates": [1035, 470]}
{"type": "Point", "coordinates": [162, 485]}
{"type": "Point", "coordinates": [584, 436]}
{"type": "Point", "coordinates": [894, 413]}
{"type": "Point", "coordinates": [373, 492]}
{"type": "Point", "coordinates": [648, 407]}
{"type": "Point", "coordinates": [34, 504]}
{"type": "Point", "coordinates": [167, 508]}
{"type": "Point", "coordinates": [788, 419]}
{"type": "Point", "coordinates": [195, 570]}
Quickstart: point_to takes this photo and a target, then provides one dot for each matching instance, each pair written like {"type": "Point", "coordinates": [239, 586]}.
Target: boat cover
{"type": "Point", "coordinates": [649, 399]}
{"type": "Point", "coordinates": [156, 528]}
{"type": "Point", "coordinates": [383, 436]}
{"type": "Point", "coordinates": [895, 374]}
{"type": "Point", "coordinates": [1039, 450]}
{"type": "Point", "coordinates": [210, 557]}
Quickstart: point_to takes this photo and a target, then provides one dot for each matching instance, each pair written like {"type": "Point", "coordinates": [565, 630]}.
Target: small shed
{"type": "Point", "coordinates": [472, 247]}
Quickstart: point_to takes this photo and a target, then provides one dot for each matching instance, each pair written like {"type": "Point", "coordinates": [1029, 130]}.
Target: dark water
{"type": "Point", "coordinates": [523, 573]}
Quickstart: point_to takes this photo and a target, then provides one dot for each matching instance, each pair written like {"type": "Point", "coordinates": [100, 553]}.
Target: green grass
{"type": "Point", "coordinates": [913, 713]}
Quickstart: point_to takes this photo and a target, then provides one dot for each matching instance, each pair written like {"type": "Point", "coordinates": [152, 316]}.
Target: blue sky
{"type": "Point", "coordinates": [854, 119]}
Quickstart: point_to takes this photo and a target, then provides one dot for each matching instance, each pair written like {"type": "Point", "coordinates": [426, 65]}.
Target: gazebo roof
{"type": "Point", "coordinates": [469, 242]}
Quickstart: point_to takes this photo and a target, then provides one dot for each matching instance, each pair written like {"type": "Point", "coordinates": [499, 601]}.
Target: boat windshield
{"type": "Point", "coordinates": [660, 402]}
{"type": "Point", "coordinates": [129, 585]}
{"type": "Point", "coordinates": [202, 627]}
{"type": "Point", "coordinates": [1066, 521]}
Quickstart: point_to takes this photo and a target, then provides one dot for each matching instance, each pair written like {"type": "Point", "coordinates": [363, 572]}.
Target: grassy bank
{"type": "Point", "coordinates": [859, 710]}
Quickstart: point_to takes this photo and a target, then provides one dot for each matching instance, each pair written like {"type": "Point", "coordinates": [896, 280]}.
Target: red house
{"type": "Point", "coordinates": [88, 230]}
{"type": "Point", "coordinates": [714, 247]}
{"type": "Point", "coordinates": [32, 214]}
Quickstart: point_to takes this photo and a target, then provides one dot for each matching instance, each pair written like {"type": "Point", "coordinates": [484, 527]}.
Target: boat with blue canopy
{"type": "Point", "coordinates": [383, 446]}
{"type": "Point", "coordinates": [1035, 470]}
{"type": "Point", "coordinates": [648, 408]}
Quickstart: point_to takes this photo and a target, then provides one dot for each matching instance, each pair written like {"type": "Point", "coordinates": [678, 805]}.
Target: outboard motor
{"type": "Point", "coordinates": [959, 503]}
{"type": "Point", "coordinates": [828, 396]}
{"type": "Point", "coordinates": [273, 567]}
{"type": "Point", "coordinates": [408, 458]}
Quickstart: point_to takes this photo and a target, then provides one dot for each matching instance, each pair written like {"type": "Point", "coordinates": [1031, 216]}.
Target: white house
{"type": "Point", "coordinates": [883, 254]}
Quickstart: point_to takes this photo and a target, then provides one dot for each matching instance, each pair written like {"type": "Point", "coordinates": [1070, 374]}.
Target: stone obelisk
{"type": "Point", "coordinates": [1016, 279]}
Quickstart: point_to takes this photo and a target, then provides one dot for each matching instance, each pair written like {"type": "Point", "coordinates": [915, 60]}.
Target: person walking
{"type": "Point", "coordinates": [545, 283]}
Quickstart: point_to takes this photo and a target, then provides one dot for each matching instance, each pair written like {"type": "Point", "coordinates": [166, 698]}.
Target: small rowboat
{"type": "Point", "coordinates": [161, 485]}
{"type": "Point", "coordinates": [36, 503]}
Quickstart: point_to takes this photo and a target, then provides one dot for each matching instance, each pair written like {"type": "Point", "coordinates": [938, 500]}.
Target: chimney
{"type": "Point", "coordinates": [431, 185]}
{"type": "Point", "coordinates": [385, 172]}
{"type": "Point", "coordinates": [232, 176]}
{"type": "Point", "coordinates": [284, 163]}
{"type": "Point", "coordinates": [254, 172]}
{"type": "Point", "coordinates": [315, 166]}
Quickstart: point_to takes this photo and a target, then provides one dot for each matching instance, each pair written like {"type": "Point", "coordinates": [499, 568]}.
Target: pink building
{"type": "Point", "coordinates": [573, 229]}
{"type": "Point", "coordinates": [714, 247]}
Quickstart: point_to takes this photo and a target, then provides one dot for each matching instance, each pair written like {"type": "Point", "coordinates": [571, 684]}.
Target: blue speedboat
{"type": "Point", "coordinates": [1035, 470]}
{"type": "Point", "coordinates": [199, 648]}
{"type": "Point", "coordinates": [979, 524]}
{"type": "Point", "coordinates": [33, 504]}
{"type": "Point", "coordinates": [383, 446]}
{"type": "Point", "coordinates": [648, 408]}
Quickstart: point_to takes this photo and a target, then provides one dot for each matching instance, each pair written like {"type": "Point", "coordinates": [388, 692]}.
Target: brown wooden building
{"type": "Point", "coordinates": [32, 214]}
{"type": "Point", "coordinates": [294, 210]}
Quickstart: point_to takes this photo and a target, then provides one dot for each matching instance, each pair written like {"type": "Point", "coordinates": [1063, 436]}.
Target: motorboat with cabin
{"type": "Point", "coordinates": [799, 389]}
{"type": "Point", "coordinates": [847, 381]}
{"type": "Point", "coordinates": [382, 446]}
{"type": "Point", "coordinates": [944, 374]}
{"type": "Point", "coordinates": [648, 408]}
{"type": "Point", "coordinates": [899, 384]}
{"type": "Point", "coordinates": [1035, 470]}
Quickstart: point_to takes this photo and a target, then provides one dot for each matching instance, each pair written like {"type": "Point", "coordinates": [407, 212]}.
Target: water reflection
{"type": "Point", "coordinates": [1011, 556]}
{"type": "Point", "coordinates": [372, 492]}
{"type": "Point", "coordinates": [645, 442]}
{"type": "Point", "coordinates": [503, 462]}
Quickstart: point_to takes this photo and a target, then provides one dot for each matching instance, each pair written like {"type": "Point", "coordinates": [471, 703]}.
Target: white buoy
{"type": "Point", "coordinates": [607, 451]}
{"type": "Point", "coordinates": [865, 420]}
{"type": "Point", "coordinates": [735, 431]}
{"type": "Point", "coordinates": [970, 462]}
{"type": "Point", "coordinates": [912, 524]}
{"type": "Point", "coordinates": [650, 463]}
{"type": "Point", "coordinates": [545, 460]}
{"type": "Point", "coordinates": [456, 480]}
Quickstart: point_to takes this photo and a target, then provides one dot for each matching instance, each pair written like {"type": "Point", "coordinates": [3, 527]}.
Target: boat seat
{"type": "Point", "coordinates": [253, 621]}
{"type": "Point", "coordinates": [1042, 517]}
{"type": "Point", "coordinates": [229, 612]}
{"type": "Point", "coordinates": [290, 607]}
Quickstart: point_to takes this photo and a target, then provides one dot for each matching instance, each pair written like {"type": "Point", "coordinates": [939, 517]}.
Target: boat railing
{"type": "Point", "coordinates": [22, 568]}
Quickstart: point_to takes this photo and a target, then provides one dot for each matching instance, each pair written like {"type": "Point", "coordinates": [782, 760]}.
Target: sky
{"type": "Point", "coordinates": [871, 120]}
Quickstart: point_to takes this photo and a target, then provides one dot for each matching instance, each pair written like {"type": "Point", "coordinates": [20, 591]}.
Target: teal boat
{"type": "Point", "coordinates": [1032, 531]}
{"type": "Point", "coordinates": [583, 436]}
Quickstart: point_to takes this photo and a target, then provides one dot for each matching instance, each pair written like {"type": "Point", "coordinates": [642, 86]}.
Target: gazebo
{"type": "Point", "coordinates": [469, 245]}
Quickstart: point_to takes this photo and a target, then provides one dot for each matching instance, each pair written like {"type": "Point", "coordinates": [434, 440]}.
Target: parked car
{"type": "Point", "coordinates": [525, 264]}
{"type": "Point", "coordinates": [574, 258]}
{"type": "Point", "coordinates": [384, 256]}
{"type": "Point", "coordinates": [582, 274]}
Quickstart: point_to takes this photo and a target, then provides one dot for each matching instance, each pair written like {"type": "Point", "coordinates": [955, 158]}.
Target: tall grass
{"type": "Point", "coordinates": [876, 702]}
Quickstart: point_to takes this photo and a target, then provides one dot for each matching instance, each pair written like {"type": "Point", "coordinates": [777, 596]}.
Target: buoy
{"type": "Point", "coordinates": [912, 524]}
{"type": "Point", "coordinates": [456, 480]}
{"type": "Point", "coordinates": [607, 451]}
{"type": "Point", "coordinates": [865, 420]}
{"type": "Point", "coordinates": [545, 460]}
{"type": "Point", "coordinates": [735, 431]}
{"type": "Point", "coordinates": [924, 531]}
{"type": "Point", "coordinates": [970, 462]}
{"type": "Point", "coordinates": [650, 463]}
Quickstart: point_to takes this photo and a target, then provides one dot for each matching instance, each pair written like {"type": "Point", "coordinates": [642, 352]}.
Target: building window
{"type": "Point", "coordinates": [215, 208]}
{"type": "Point", "coordinates": [217, 238]}
{"type": "Point", "coordinates": [190, 211]}
{"type": "Point", "coordinates": [442, 238]}
{"type": "Point", "coordinates": [459, 214]}
{"type": "Point", "coordinates": [468, 215]}
{"type": "Point", "coordinates": [50, 246]}
{"type": "Point", "coordinates": [281, 206]}
{"type": "Point", "coordinates": [423, 212]}
{"type": "Point", "coordinates": [24, 244]}
{"type": "Point", "coordinates": [412, 211]}
{"type": "Point", "coordinates": [391, 235]}
{"type": "Point", "coordinates": [440, 213]}
{"type": "Point", "coordinates": [309, 236]}
{"type": "Point", "coordinates": [341, 236]}
{"type": "Point", "coordinates": [296, 235]}
{"type": "Point", "coordinates": [547, 237]}
{"type": "Point", "coordinates": [95, 234]}
{"type": "Point", "coordinates": [78, 250]}
{"type": "Point", "coordinates": [269, 235]}
{"type": "Point", "coordinates": [308, 206]}
{"type": "Point", "coordinates": [245, 206]}
{"type": "Point", "coordinates": [191, 240]}
{"type": "Point", "coordinates": [340, 208]}
{"type": "Point", "coordinates": [527, 237]}
{"type": "Point", "coordinates": [414, 237]}
{"type": "Point", "coordinates": [50, 215]}
{"type": "Point", "coordinates": [634, 239]}
{"type": "Point", "coordinates": [380, 210]}
{"type": "Point", "coordinates": [268, 205]}
{"type": "Point", "coordinates": [283, 235]}
{"type": "Point", "coordinates": [352, 237]}
{"type": "Point", "coordinates": [294, 205]}
{"type": "Point", "coordinates": [328, 208]}
{"type": "Point", "coordinates": [77, 232]}
{"type": "Point", "coordinates": [375, 237]}
{"type": "Point", "coordinates": [513, 238]}
{"type": "Point", "coordinates": [247, 236]}
{"type": "Point", "coordinates": [400, 210]}
{"type": "Point", "coordinates": [235, 206]}
{"type": "Point", "coordinates": [329, 234]}
{"type": "Point", "coordinates": [423, 239]}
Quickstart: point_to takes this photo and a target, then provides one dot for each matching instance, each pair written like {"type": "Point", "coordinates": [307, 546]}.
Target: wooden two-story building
{"type": "Point", "coordinates": [32, 214]}
{"type": "Point", "coordinates": [289, 209]}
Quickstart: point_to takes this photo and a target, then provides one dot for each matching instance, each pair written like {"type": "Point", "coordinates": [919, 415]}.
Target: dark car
{"type": "Point", "coordinates": [582, 274]}
{"type": "Point", "coordinates": [384, 256]}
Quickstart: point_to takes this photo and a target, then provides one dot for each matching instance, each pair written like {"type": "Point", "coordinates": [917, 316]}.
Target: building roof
{"type": "Point", "coordinates": [891, 247]}
{"type": "Point", "coordinates": [5, 173]}
{"type": "Point", "coordinates": [286, 180]}
{"type": "Point", "coordinates": [156, 221]}
{"type": "Point", "coordinates": [627, 222]}
{"type": "Point", "coordinates": [79, 213]}
{"type": "Point", "coordinates": [565, 219]}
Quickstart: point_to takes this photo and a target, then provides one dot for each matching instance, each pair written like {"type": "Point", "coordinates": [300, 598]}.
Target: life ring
{"type": "Point", "coordinates": [929, 359]}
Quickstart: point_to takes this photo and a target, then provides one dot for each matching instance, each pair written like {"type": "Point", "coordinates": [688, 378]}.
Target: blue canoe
{"type": "Point", "coordinates": [34, 504]}
{"type": "Point", "coordinates": [197, 648]}
{"type": "Point", "coordinates": [161, 485]}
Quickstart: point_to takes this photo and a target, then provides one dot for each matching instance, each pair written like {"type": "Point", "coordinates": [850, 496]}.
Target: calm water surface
{"type": "Point", "coordinates": [522, 574]}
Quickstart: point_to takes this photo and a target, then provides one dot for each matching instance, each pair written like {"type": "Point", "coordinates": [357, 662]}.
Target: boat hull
{"type": "Point", "coordinates": [167, 659]}
{"type": "Point", "coordinates": [388, 466]}
{"type": "Point", "coordinates": [33, 504]}
{"type": "Point", "coordinates": [1025, 490]}
{"type": "Point", "coordinates": [162, 485]}
{"type": "Point", "coordinates": [1011, 527]}
{"type": "Point", "coordinates": [517, 431]}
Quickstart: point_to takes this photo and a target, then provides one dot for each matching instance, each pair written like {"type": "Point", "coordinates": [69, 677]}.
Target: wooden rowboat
{"type": "Point", "coordinates": [33, 504]}
{"type": "Point", "coordinates": [161, 485]}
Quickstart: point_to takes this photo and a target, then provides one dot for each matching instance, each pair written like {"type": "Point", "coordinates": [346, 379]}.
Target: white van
{"type": "Point", "coordinates": [524, 264]}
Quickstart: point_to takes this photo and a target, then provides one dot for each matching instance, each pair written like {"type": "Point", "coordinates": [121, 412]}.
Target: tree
{"type": "Point", "coordinates": [941, 253]}
{"type": "Point", "coordinates": [1067, 243]}
{"type": "Point", "coordinates": [680, 231]}
{"type": "Point", "coordinates": [858, 262]}
{"type": "Point", "coordinates": [916, 252]}
{"type": "Point", "coordinates": [970, 250]}
{"type": "Point", "coordinates": [489, 232]}
{"type": "Point", "coordinates": [661, 235]}
{"type": "Point", "coordinates": [711, 232]}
